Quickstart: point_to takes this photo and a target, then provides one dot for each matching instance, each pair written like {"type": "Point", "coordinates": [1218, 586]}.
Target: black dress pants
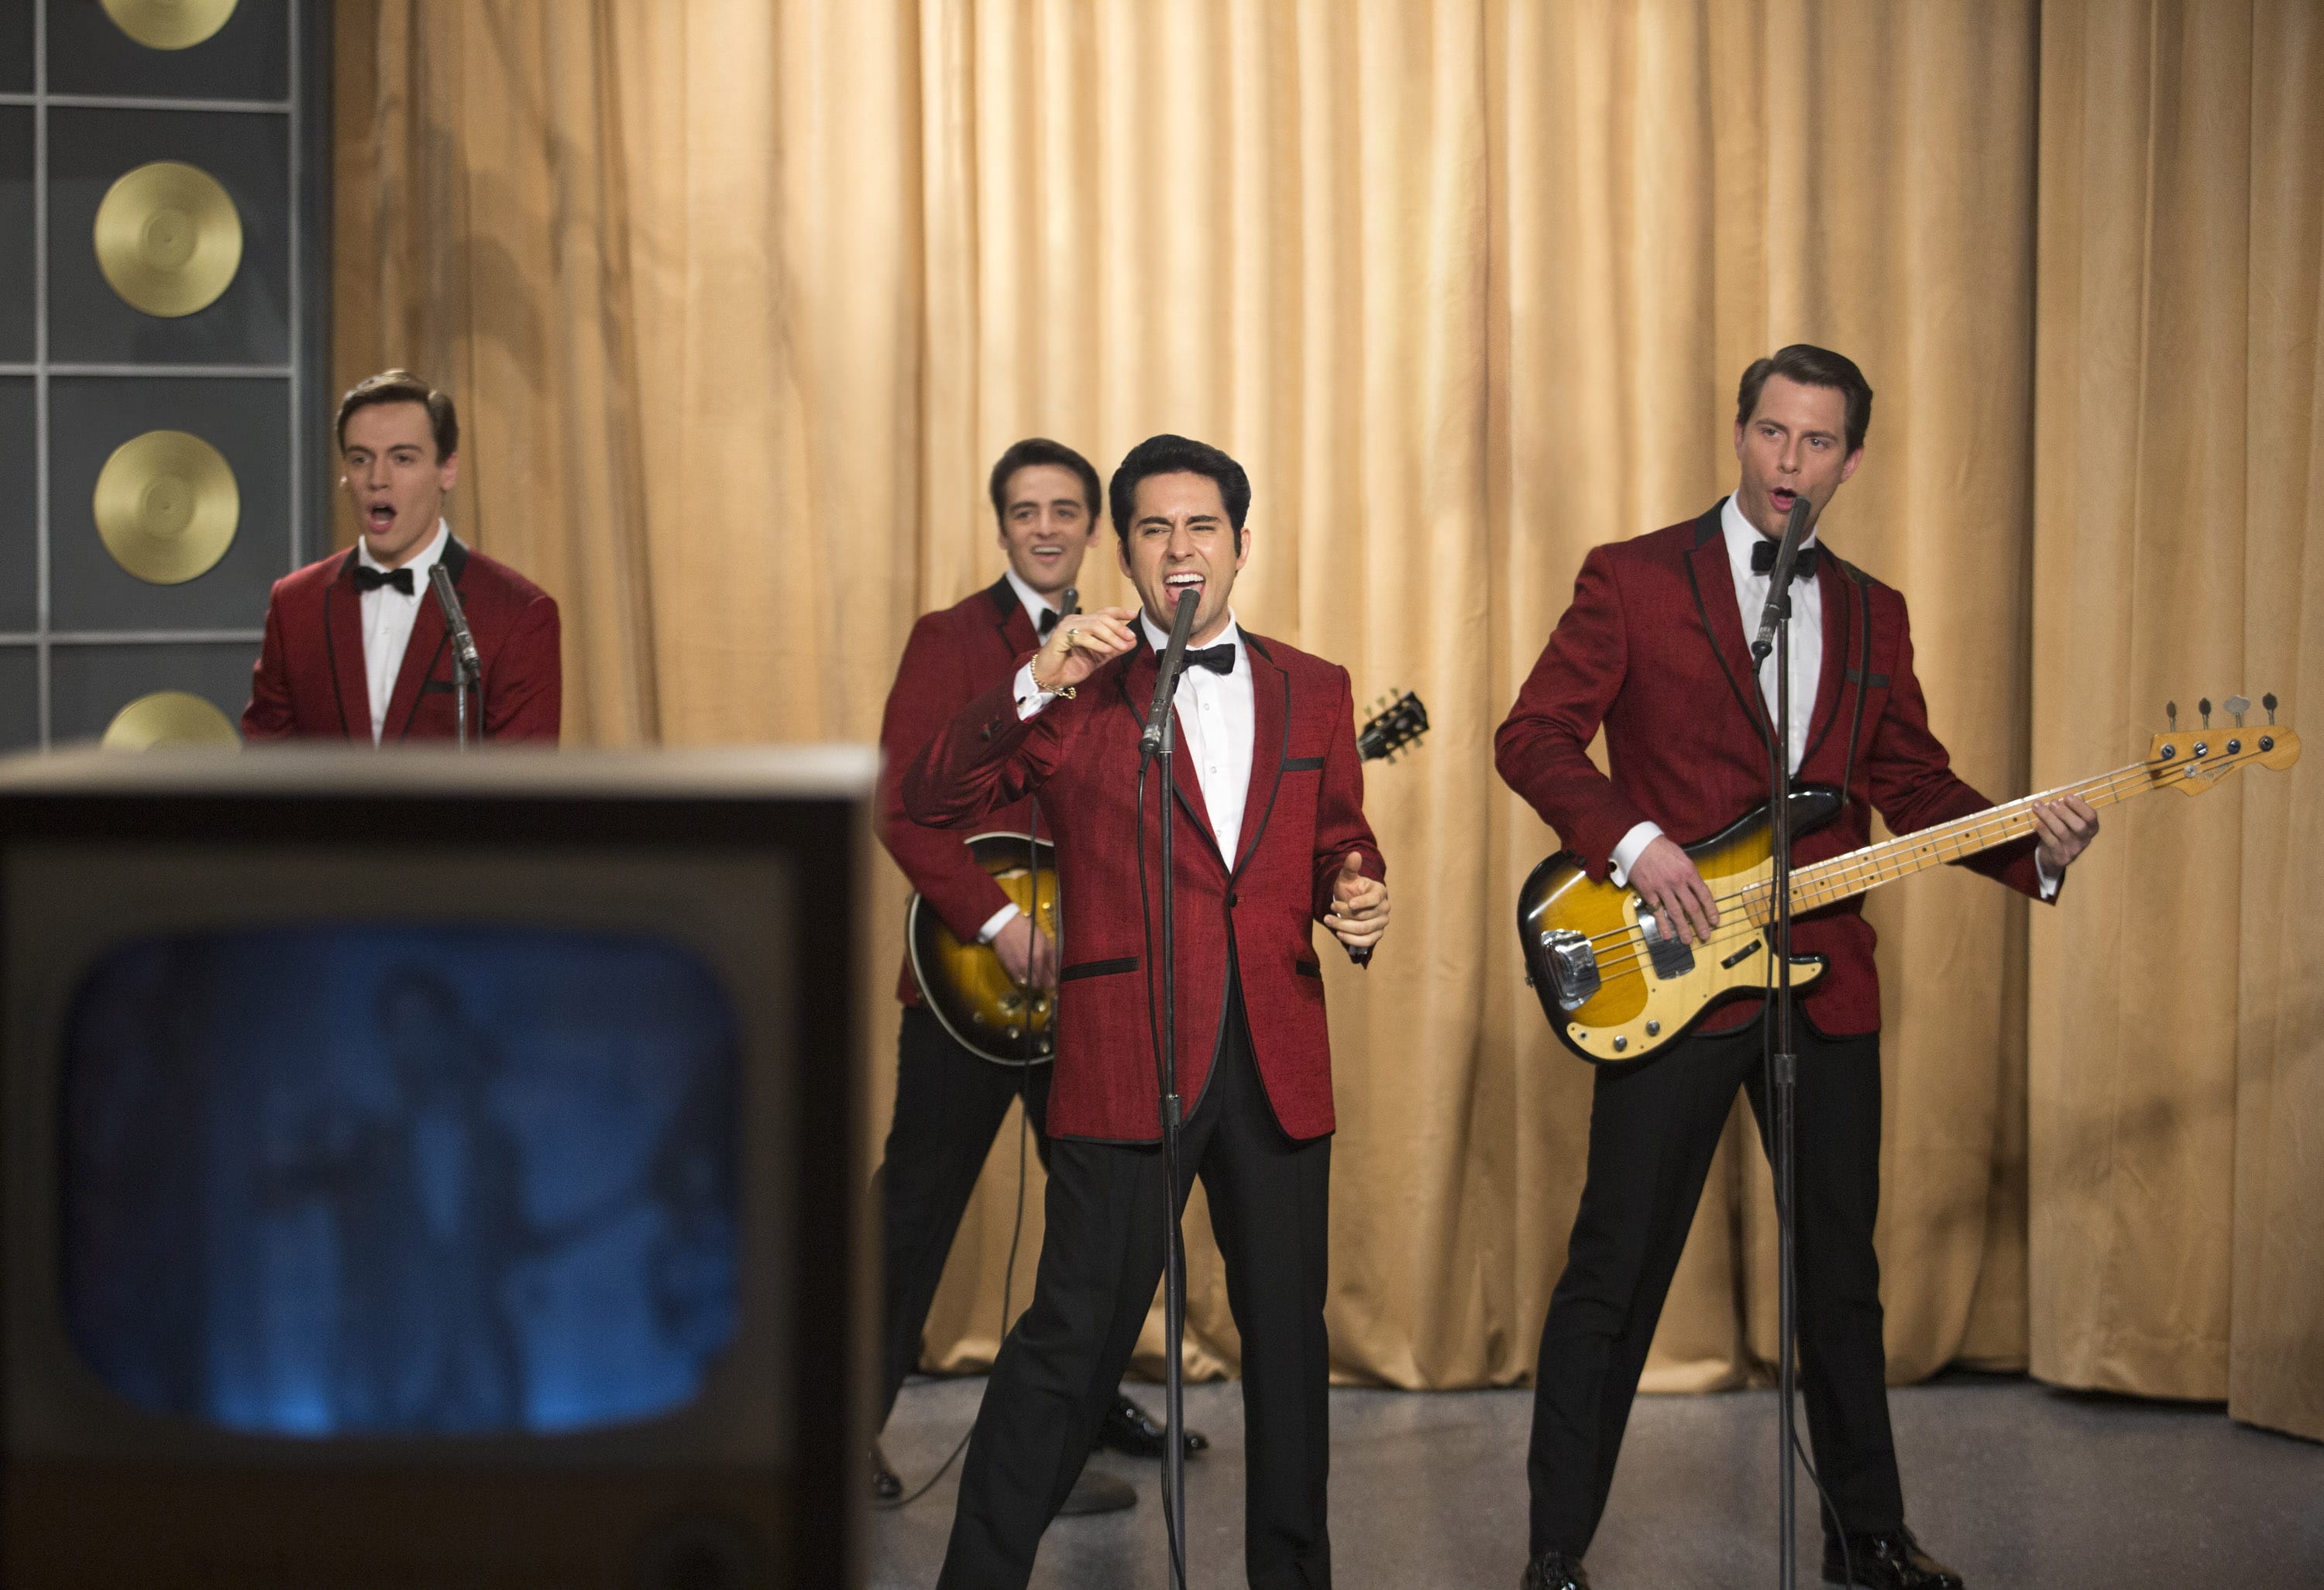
{"type": "Point", "coordinates": [1653, 1125]}
{"type": "Point", "coordinates": [949, 1102]}
{"type": "Point", "coordinates": [1101, 1261]}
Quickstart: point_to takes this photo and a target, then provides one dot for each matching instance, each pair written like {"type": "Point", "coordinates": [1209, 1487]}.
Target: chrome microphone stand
{"type": "Point", "coordinates": [1776, 633]}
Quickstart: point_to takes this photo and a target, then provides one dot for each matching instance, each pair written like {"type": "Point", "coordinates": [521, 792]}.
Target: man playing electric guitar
{"type": "Point", "coordinates": [1270, 842]}
{"type": "Point", "coordinates": [1652, 649]}
{"type": "Point", "coordinates": [949, 1102]}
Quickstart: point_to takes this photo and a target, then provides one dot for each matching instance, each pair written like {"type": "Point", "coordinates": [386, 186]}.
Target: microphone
{"type": "Point", "coordinates": [1165, 681]}
{"type": "Point", "coordinates": [456, 621]}
{"type": "Point", "coordinates": [1069, 603]}
{"type": "Point", "coordinates": [1779, 586]}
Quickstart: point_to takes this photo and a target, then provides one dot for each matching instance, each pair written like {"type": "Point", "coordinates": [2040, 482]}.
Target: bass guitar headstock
{"type": "Point", "coordinates": [1396, 726]}
{"type": "Point", "coordinates": [2192, 760]}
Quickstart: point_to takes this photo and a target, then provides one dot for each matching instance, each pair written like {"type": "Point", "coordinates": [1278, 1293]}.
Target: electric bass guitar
{"type": "Point", "coordinates": [1617, 985]}
{"type": "Point", "coordinates": [966, 987]}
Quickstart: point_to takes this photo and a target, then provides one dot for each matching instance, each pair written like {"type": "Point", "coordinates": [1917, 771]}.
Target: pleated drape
{"type": "Point", "coordinates": [740, 300]}
{"type": "Point", "coordinates": [2177, 1232]}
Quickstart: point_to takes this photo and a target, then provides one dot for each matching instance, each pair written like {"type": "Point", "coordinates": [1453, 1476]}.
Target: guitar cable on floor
{"type": "Point", "coordinates": [1024, 1136]}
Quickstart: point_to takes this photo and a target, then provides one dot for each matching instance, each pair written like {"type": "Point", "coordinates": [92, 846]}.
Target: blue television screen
{"type": "Point", "coordinates": [353, 1180]}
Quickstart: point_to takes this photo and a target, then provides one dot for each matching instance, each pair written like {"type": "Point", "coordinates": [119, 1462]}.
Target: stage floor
{"type": "Point", "coordinates": [2012, 1482]}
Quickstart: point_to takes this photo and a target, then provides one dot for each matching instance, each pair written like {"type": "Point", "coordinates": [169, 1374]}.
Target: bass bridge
{"type": "Point", "coordinates": [1573, 967]}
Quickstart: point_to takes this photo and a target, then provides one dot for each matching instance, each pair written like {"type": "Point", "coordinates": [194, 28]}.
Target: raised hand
{"type": "Point", "coordinates": [1080, 645]}
{"type": "Point", "coordinates": [1666, 880]}
{"type": "Point", "coordinates": [1359, 914]}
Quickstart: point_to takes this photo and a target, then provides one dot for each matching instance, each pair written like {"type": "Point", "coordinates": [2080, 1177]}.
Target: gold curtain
{"type": "Point", "coordinates": [2177, 1237]}
{"type": "Point", "coordinates": [739, 301]}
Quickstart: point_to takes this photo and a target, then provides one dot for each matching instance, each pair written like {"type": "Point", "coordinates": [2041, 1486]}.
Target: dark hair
{"type": "Point", "coordinates": [1170, 455]}
{"type": "Point", "coordinates": [400, 386]}
{"type": "Point", "coordinates": [1028, 454]}
{"type": "Point", "coordinates": [1815, 367]}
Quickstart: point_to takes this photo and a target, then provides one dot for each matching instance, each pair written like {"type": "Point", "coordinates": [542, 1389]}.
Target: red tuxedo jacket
{"type": "Point", "coordinates": [1303, 813]}
{"type": "Point", "coordinates": [1653, 648]}
{"type": "Point", "coordinates": [309, 682]}
{"type": "Point", "coordinates": [954, 655]}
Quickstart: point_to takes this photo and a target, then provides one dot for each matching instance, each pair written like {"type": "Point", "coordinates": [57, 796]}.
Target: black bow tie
{"type": "Point", "coordinates": [368, 578]}
{"type": "Point", "coordinates": [1049, 616]}
{"type": "Point", "coordinates": [1219, 658]}
{"type": "Point", "coordinates": [1763, 559]}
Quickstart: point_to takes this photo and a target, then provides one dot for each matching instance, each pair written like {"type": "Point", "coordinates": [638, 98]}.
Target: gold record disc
{"type": "Point", "coordinates": [167, 238]}
{"type": "Point", "coordinates": [168, 717]}
{"type": "Point", "coordinates": [169, 25]}
{"type": "Point", "coordinates": [166, 506]}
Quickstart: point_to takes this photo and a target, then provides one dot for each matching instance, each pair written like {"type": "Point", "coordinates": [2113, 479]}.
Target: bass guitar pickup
{"type": "Point", "coordinates": [1666, 951]}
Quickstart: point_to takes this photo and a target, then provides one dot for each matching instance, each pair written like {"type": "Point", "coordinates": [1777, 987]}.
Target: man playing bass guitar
{"type": "Point", "coordinates": [949, 1102]}
{"type": "Point", "coordinates": [1652, 649]}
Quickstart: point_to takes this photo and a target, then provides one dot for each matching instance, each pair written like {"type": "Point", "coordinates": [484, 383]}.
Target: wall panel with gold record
{"type": "Point", "coordinates": [169, 237]}
{"type": "Point", "coordinates": [161, 293]}
{"type": "Point", "coordinates": [173, 547]}
{"type": "Point", "coordinates": [20, 512]}
{"type": "Point", "coordinates": [217, 52]}
{"type": "Point", "coordinates": [91, 686]}
{"type": "Point", "coordinates": [15, 47]}
{"type": "Point", "coordinates": [16, 273]}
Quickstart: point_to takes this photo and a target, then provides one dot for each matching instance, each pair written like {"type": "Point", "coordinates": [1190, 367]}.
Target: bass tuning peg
{"type": "Point", "coordinates": [2204, 707]}
{"type": "Point", "coordinates": [2268, 700]}
{"type": "Point", "coordinates": [2236, 707]}
{"type": "Point", "coordinates": [2170, 715]}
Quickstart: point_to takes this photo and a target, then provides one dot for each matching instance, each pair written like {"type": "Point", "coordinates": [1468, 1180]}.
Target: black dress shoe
{"type": "Point", "coordinates": [885, 1486]}
{"type": "Point", "coordinates": [1553, 1570]}
{"type": "Point", "coordinates": [1098, 1492]}
{"type": "Point", "coordinates": [1889, 1561]}
{"type": "Point", "coordinates": [1128, 1427]}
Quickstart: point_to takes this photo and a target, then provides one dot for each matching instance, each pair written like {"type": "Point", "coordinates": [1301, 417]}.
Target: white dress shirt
{"type": "Point", "coordinates": [1216, 722]}
{"type": "Point", "coordinates": [1807, 667]}
{"type": "Point", "coordinates": [388, 615]}
{"type": "Point", "coordinates": [1035, 604]}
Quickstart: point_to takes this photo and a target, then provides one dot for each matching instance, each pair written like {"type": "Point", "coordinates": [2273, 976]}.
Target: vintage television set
{"type": "Point", "coordinates": [429, 1170]}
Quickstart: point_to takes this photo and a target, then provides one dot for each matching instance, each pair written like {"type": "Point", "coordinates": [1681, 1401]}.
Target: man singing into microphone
{"type": "Point", "coordinates": [949, 1102]}
{"type": "Point", "coordinates": [356, 647]}
{"type": "Point", "coordinates": [1270, 840]}
{"type": "Point", "coordinates": [1652, 649]}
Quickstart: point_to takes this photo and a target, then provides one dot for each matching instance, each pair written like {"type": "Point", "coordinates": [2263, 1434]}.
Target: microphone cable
{"type": "Point", "coordinates": [1068, 605]}
{"type": "Point", "coordinates": [1016, 1222]}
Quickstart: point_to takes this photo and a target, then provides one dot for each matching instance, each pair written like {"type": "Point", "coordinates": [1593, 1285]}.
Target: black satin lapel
{"type": "Point", "coordinates": [1137, 689]}
{"type": "Point", "coordinates": [1270, 741]}
{"type": "Point", "coordinates": [1726, 638]}
{"type": "Point", "coordinates": [343, 608]}
{"type": "Point", "coordinates": [1832, 590]}
{"type": "Point", "coordinates": [1189, 791]}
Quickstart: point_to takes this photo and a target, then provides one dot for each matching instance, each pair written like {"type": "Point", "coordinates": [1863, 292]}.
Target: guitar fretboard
{"type": "Point", "coordinates": [1828, 882]}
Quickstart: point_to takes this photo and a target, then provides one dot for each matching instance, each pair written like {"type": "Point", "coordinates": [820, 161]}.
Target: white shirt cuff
{"type": "Point", "coordinates": [1029, 701]}
{"type": "Point", "coordinates": [1627, 853]}
{"type": "Point", "coordinates": [996, 922]}
{"type": "Point", "coordinates": [2050, 880]}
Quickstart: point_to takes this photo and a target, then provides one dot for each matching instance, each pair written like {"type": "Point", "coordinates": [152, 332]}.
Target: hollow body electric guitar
{"type": "Point", "coordinates": [966, 987]}
{"type": "Point", "coordinates": [1617, 986]}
